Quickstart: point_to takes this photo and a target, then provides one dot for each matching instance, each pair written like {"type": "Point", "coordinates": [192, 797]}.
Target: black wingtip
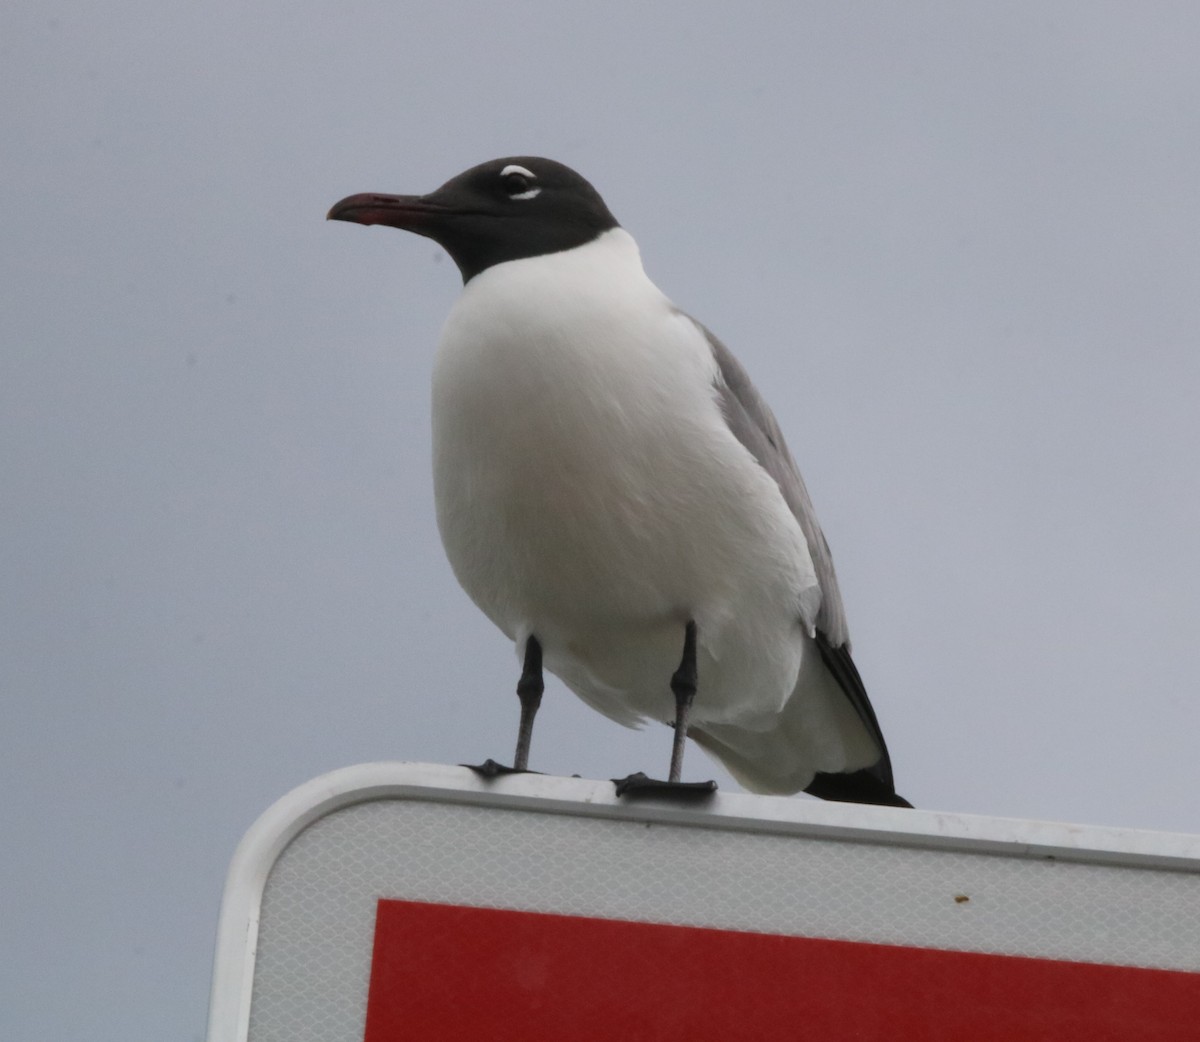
{"type": "Point", "coordinates": [855, 787]}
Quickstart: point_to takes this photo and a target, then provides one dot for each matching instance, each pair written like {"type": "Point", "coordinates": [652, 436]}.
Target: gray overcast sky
{"type": "Point", "coordinates": [957, 244]}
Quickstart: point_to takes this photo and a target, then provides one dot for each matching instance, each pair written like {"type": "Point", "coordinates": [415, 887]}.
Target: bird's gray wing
{"type": "Point", "coordinates": [754, 425]}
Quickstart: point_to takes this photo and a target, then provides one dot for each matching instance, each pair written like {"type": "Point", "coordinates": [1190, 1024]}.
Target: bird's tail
{"type": "Point", "coordinates": [825, 741]}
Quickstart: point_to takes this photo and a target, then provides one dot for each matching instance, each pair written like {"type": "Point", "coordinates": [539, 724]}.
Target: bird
{"type": "Point", "coordinates": [616, 496]}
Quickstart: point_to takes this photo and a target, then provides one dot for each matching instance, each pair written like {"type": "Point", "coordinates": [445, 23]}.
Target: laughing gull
{"type": "Point", "coordinates": [616, 496]}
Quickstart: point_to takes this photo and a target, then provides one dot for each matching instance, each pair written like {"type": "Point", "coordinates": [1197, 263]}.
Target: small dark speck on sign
{"type": "Point", "coordinates": [961, 899]}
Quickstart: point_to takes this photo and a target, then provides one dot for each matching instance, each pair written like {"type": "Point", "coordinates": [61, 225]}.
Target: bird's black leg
{"type": "Point", "coordinates": [529, 691]}
{"type": "Point", "coordinates": [683, 686]}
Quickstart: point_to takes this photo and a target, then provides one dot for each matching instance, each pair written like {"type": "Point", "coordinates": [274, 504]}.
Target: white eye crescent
{"type": "Point", "coordinates": [519, 182]}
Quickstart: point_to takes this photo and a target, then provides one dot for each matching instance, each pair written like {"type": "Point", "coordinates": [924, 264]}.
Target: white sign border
{"type": "Point", "coordinates": [256, 854]}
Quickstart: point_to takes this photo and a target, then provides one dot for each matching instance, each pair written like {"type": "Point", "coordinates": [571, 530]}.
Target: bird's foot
{"type": "Point", "coordinates": [639, 784]}
{"type": "Point", "coordinates": [491, 769]}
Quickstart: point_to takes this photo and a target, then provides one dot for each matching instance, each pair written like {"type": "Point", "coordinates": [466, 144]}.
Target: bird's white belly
{"type": "Point", "coordinates": [589, 492]}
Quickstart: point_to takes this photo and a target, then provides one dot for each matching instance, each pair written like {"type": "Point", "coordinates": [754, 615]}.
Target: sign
{"type": "Point", "coordinates": [390, 902]}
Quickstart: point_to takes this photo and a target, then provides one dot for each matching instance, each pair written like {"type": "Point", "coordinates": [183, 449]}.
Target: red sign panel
{"type": "Point", "coordinates": [451, 972]}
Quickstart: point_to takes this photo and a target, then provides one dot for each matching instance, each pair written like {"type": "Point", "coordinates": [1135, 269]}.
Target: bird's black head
{"type": "Point", "coordinates": [503, 210]}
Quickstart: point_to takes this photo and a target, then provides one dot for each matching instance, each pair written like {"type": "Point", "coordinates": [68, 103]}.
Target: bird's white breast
{"type": "Point", "coordinates": [589, 491]}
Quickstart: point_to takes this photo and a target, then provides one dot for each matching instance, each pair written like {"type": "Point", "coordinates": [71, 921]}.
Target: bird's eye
{"type": "Point", "coordinates": [515, 184]}
{"type": "Point", "coordinates": [518, 182]}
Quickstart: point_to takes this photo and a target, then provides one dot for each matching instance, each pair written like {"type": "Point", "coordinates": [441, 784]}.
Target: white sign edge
{"type": "Point", "coordinates": [266, 839]}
